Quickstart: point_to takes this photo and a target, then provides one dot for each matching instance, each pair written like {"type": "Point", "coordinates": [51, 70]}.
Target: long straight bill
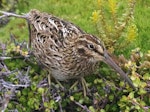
{"type": "Point", "coordinates": [109, 61]}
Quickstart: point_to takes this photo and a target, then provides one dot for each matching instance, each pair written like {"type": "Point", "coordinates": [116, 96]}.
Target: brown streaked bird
{"type": "Point", "coordinates": [66, 50]}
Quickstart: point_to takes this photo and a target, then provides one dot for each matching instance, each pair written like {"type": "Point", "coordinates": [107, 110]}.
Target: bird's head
{"type": "Point", "coordinates": [92, 49]}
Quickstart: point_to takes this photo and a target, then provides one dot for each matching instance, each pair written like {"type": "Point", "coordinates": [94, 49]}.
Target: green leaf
{"type": "Point", "coordinates": [40, 90]}
{"type": "Point", "coordinates": [45, 104]}
{"type": "Point", "coordinates": [71, 98]}
{"type": "Point", "coordinates": [111, 97]}
{"type": "Point", "coordinates": [142, 91]}
{"type": "Point", "coordinates": [124, 98]}
{"type": "Point", "coordinates": [81, 101]}
{"type": "Point", "coordinates": [131, 95]}
{"type": "Point", "coordinates": [91, 108]}
{"type": "Point", "coordinates": [102, 110]}
{"type": "Point", "coordinates": [137, 107]}
{"type": "Point", "coordinates": [146, 76]}
{"type": "Point", "coordinates": [25, 91]}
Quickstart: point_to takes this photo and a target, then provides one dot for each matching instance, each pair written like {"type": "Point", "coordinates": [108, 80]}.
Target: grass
{"type": "Point", "coordinates": [78, 12]}
{"type": "Point", "coordinates": [142, 20]}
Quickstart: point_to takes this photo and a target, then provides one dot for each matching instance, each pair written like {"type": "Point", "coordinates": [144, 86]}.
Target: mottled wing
{"type": "Point", "coordinates": [48, 26]}
{"type": "Point", "coordinates": [50, 35]}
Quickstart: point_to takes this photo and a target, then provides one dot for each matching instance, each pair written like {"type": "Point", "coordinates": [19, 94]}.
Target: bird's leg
{"type": "Point", "coordinates": [84, 85]}
{"type": "Point", "coordinates": [49, 78]}
{"type": "Point", "coordinates": [74, 84]}
{"type": "Point", "coordinates": [58, 82]}
{"type": "Point", "coordinates": [49, 81]}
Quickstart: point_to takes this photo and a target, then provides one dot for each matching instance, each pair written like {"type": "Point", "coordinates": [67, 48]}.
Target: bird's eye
{"type": "Point", "coordinates": [90, 46]}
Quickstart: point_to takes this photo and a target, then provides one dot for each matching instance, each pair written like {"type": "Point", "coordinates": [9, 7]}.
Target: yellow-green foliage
{"type": "Point", "coordinates": [106, 92]}
{"type": "Point", "coordinates": [139, 65]}
{"type": "Point", "coordinates": [114, 24]}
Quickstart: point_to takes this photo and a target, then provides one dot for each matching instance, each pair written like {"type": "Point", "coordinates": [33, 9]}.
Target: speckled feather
{"type": "Point", "coordinates": [64, 49]}
{"type": "Point", "coordinates": [57, 44]}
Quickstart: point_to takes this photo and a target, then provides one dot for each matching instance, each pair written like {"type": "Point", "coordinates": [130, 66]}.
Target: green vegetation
{"type": "Point", "coordinates": [23, 83]}
{"type": "Point", "coordinates": [142, 21]}
{"type": "Point", "coordinates": [79, 12]}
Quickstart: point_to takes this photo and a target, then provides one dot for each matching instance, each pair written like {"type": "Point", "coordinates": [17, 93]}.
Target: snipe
{"type": "Point", "coordinates": [64, 49]}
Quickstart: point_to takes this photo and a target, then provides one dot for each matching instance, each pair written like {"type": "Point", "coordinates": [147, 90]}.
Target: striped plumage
{"type": "Point", "coordinates": [63, 48]}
